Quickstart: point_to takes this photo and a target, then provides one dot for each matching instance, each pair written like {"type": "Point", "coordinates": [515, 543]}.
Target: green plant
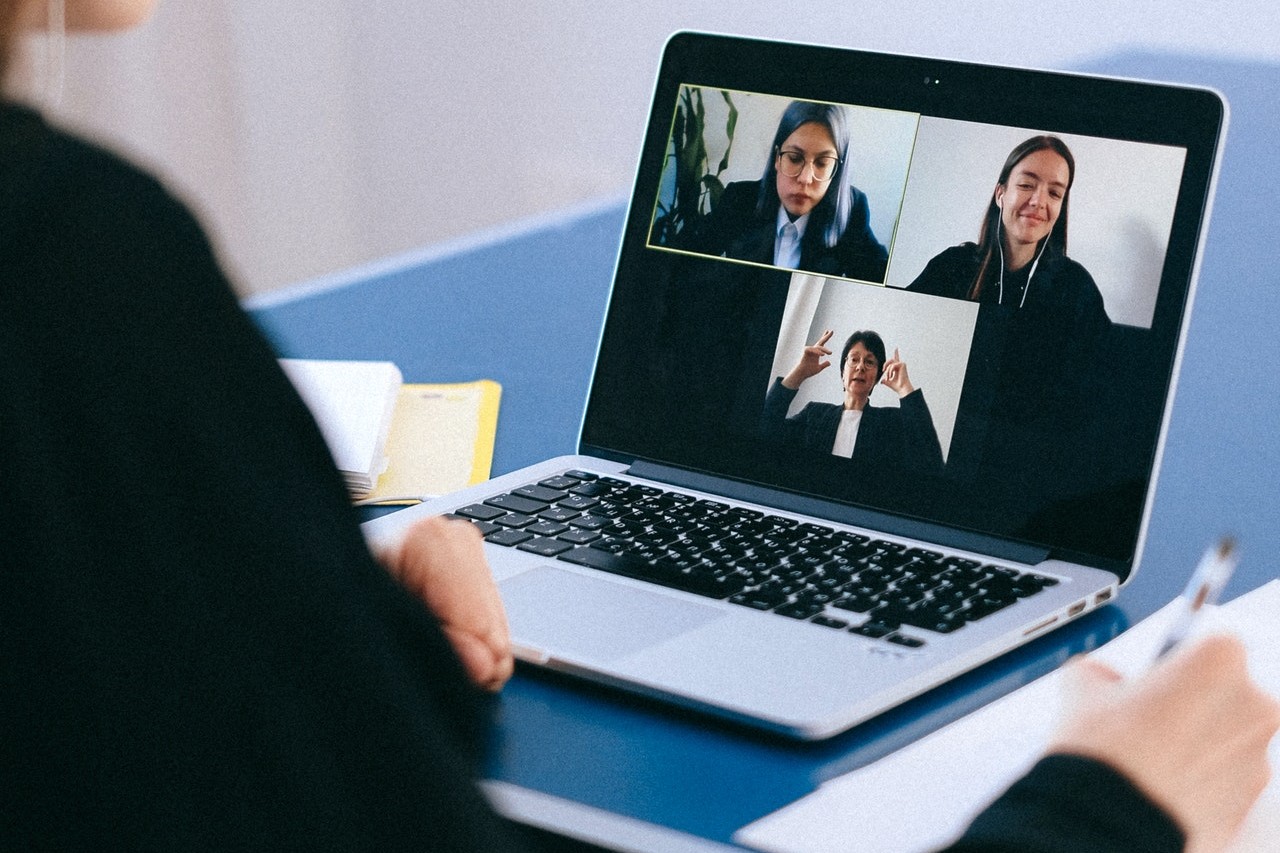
{"type": "Point", "coordinates": [696, 188]}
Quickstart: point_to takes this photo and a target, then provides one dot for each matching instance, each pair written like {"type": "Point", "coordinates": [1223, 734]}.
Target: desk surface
{"type": "Point", "coordinates": [514, 310]}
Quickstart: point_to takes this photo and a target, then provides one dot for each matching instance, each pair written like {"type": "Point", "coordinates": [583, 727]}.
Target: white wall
{"type": "Point", "coordinates": [316, 135]}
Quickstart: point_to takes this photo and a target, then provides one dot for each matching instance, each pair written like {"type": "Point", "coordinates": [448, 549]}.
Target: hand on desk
{"type": "Point", "coordinates": [441, 561]}
{"type": "Point", "coordinates": [1192, 734]}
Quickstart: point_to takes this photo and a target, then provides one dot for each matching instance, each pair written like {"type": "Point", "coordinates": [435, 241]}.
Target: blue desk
{"type": "Point", "coordinates": [525, 309]}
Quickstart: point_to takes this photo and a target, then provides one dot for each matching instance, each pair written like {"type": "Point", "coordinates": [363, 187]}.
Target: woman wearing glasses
{"type": "Point", "coordinates": [872, 435]}
{"type": "Point", "coordinates": [803, 214]}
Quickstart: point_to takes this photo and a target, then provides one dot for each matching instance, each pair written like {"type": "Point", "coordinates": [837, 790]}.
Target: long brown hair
{"type": "Point", "coordinates": [988, 246]}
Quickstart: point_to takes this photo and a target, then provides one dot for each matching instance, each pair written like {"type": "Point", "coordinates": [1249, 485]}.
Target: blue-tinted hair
{"type": "Point", "coordinates": [831, 215]}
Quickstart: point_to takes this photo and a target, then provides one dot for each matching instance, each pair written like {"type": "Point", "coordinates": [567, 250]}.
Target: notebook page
{"type": "Point", "coordinates": [921, 797]}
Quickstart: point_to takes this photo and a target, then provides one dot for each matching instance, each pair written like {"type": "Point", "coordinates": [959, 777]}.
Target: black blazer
{"type": "Point", "coordinates": [733, 229]}
{"type": "Point", "coordinates": [887, 437]}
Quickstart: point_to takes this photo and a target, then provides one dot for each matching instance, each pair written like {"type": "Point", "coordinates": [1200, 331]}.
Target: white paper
{"type": "Point", "coordinates": [923, 796]}
{"type": "Point", "coordinates": [352, 401]}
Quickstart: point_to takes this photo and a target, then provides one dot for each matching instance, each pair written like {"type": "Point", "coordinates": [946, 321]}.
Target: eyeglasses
{"type": "Point", "coordinates": [791, 163]}
{"type": "Point", "coordinates": [855, 363]}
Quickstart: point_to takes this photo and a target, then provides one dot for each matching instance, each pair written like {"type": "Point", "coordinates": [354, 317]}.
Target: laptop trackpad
{"type": "Point", "coordinates": [593, 619]}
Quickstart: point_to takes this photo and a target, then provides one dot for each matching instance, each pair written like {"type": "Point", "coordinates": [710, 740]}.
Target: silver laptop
{"type": "Point", "coordinates": [862, 417]}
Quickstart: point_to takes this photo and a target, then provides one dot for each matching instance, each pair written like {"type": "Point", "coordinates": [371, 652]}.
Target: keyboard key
{"type": "Point", "coordinates": [943, 624]}
{"type": "Point", "coordinates": [659, 573]}
{"type": "Point", "coordinates": [559, 513]}
{"type": "Point", "coordinates": [799, 609]}
{"type": "Point", "coordinates": [759, 599]}
{"type": "Point", "coordinates": [508, 537]}
{"type": "Point", "coordinates": [591, 489]}
{"type": "Point", "coordinates": [541, 493]}
{"type": "Point", "coordinates": [516, 503]}
{"type": "Point", "coordinates": [982, 607]}
{"type": "Point", "coordinates": [856, 603]}
{"type": "Point", "coordinates": [874, 629]}
{"type": "Point", "coordinates": [545, 547]}
{"type": "Point", "coordinates": [579, 537]}
{"type": "Point", "coordinates": [547, 528]}
{"type": "Point", "coordinates": [480, 512]}
{"type": "Point", "coordinates": [485, 527]}
{"type": "Point", "coordinates": [563, 483]}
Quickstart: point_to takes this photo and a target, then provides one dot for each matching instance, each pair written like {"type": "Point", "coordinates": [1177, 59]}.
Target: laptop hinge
{"type": "Point", "coordinates": [843, 513]}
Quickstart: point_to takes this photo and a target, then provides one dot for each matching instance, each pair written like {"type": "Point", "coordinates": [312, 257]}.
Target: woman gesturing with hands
{"type": "Point", "coordinates": [879, 436]}
{"type": "Point", "coordinates": [814, 360]}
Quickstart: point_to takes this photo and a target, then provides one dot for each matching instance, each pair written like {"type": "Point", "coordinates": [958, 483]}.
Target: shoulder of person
{"type": "Point", "coordinates": [948, 273]}
{"type": "Point", "coordinates": [64, 167]}
{"type": "Point", "coordinates": [109, 216]}
{"type": "Point", "coordinates": [818, 411]}
{"type": "Point", "coordinates": [858, 197]}
{"type": "Point", "coordinates": [740, 192]}
{"type": "Point", "coordinates": [954, 257]}
{"type": "Point", "coordinates": [1069, 275]}
{"type": "Point", "coordinates": [963, 253]}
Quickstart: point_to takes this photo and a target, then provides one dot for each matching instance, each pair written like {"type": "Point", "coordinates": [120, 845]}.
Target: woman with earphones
{"type": "Point", "coordinates": [1036, 369]}
{"type": "Point", "coordinates": [1020, 260]}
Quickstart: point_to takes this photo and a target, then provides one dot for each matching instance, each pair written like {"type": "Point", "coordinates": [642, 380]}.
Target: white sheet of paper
{"type": "Point", "coordinates": [352, 402]}
{"type": "Point", "coordinates": [922, 796]}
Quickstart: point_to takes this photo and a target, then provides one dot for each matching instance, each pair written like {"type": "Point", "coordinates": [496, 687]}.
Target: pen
{"type": "Point", "coordinates": [1206, 584]}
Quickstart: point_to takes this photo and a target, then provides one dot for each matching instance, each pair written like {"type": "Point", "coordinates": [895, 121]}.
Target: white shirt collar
{"type": "Point", "coordinates": [785, 253]}
{"type": "Point", "coordinates": [783, 219]}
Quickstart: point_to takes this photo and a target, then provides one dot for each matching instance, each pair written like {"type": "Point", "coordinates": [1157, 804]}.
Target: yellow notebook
{"type": "Point", "coordinates": [441, 440]}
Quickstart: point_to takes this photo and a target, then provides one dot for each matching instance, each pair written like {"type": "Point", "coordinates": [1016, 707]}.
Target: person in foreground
{"type": "Point", "coordinates": [199, 651]}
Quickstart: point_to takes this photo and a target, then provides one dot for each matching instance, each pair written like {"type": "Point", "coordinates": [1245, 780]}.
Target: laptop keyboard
{"type": "Point", "coordinates": [834, 578]}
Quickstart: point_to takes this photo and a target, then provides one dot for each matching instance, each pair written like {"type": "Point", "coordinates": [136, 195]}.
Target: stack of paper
{"type": "Point", "coordinates": [396, 442]}
{"type": "Point", "coordinates": [353, 402]}
{"type": "Point", "coordinates": [921, 797]}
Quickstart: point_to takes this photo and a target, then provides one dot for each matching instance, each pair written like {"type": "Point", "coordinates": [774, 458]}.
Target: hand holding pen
{"type": "Point", "coordinates": [1191, 733]}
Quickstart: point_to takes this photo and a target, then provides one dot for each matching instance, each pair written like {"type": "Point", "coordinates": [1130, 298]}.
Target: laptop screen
{"type": "Point", "coordinates": [931, 291]}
